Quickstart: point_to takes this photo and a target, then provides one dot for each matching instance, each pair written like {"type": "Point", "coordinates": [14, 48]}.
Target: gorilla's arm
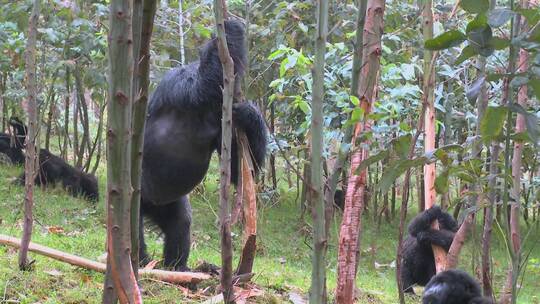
{"type": "Point", "coordinates": [422, 221]}
{"type": "Point", "coordinates": [442, 238]}
{"type": "Point", "coordinates": [246, 116]}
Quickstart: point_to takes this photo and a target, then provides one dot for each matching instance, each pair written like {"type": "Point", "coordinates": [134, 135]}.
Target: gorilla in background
{"type": "Point", "coordinates": [13, 149]}
{"type": "Point", "coordinates": [53, 169]}
{"type": "Point", "coordinates": [183, 129]}
{"type": "Point", "coordinates": [453, 287]}
{"type": "Point", "coordinates": [418, 260]}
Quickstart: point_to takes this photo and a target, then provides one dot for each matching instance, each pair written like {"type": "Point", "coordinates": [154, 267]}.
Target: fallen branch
{"type": "Point", "coordinates": [161, 275]}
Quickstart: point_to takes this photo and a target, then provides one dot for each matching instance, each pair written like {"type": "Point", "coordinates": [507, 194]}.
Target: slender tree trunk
{"type": "Point", "coordinates": [119, 193]}
{"type": "Point", "coordinates": [428, 88]}
{"type": "Point", "coordinates": [31, 149]}
{"type": "Point", "coordinates": [515, 194]}
{"type": "Point", "coordinates": [343, 152]}
{"type": "Point", "coordinates": [220, 12]}
{"type": "Point", "coordinates": [82, 113]}
{"type": "Point", "coordinates": [273, 156]}
{"type": "Point", "coordinates": [142, 28]}
{"type": "Point", "coordinates": [52, 106]}
{"type": "Point", "coordinates": [66, 115]}
{"type": "Point", "coordinates": [181, 31]}
{"type": "Point", "coordinates": [349, 234]}
{"type": "Point", "coordinates": [317, 292]}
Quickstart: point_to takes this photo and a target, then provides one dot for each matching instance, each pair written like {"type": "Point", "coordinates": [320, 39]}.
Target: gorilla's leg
{"type": "Point", "coordinates": [407, 279]}
{"type": "Point", "coordinates": [143, 256]}
{"type": "Point", "coordinates": [174, 220]}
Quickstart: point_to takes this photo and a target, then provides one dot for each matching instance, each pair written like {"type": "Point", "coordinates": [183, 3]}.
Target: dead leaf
{"type": "Point", "coordinates": [54, 273]}
{"type": "Point", "coordinates": [296, 298]}
{"type": "Point", "coordinates": [151, 265]}
{"type": "Point", "coordinates": [55, 230]}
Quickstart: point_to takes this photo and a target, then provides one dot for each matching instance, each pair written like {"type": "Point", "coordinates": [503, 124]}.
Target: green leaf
{"type": "Point", "coordinates": [499, 16]}
{"type": "Point", "coordinates": [354, 100]}
{"type": "Point", "coordinates": [395, 170]}
{"type": "Point", "coordinates": [445, 40]}
{"type": "Point", "coordinates": [474, 90]}
{"type": "Point", "coordinates": [497, 77]}
{"type": "Point", "coordinates": [499, 43]}
{"type": "Point", "coordinates": [535, 85]}
{"type": "Point", "coordinates": [492, 123]}
{"type": "Point", "coordinates": [441, 182]}
{"type": "Point", "coordinates": [531, 121]}
{"type": "Point", "coordinates": [475, 6]}
{"type": "Point", "coordinates": [531, 14]}
{"type": "Point", "coordinates": [402, 145]}
{"type": "Point", "coordinates": [466, 53]}
{"type": "Point", "coordinates": [371, 160]}
{"type": "Point", "coordinates": [519, 81]}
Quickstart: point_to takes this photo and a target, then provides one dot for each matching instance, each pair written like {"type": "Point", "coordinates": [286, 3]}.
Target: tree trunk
{"type": "Point", "coordinates": [52, 106]}
{"type": "Point", "coordinates": [82, 113]}
{"type": "Point", "coordinates": [349, 234]}
{"type": "Point", "coordinates": [119, 119]}
{"type": "Point", "coordinates": [31, 149]}
{"type": "Point", "coordinates": [220, 12]}
{"type": "Point", "coordinates": [317, 292]}
{"type": "Point", "coordinates": [428, 88]}
{"type": "Point", "coordinates": [66, 115]}
{"type": "Point", "coordinates": [143, 26]}
{"type": "Point", "coordinates": [510, 293]}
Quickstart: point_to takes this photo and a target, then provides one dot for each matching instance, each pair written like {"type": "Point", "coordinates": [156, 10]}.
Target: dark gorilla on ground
{"type": "Point", "coordinates": [453, 287]}
{"type": "Point", "coordinates": [418, 260]}
{"type": "Point", "coordinates": [53, 169]}
{"type": "Point", "coordinates": [12, 146]}
{"type": "Point", "coordinates": [183, 129]}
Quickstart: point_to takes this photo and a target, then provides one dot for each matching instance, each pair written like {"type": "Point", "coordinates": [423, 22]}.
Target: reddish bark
{"type": "Point", "coordinates": [356, 187]}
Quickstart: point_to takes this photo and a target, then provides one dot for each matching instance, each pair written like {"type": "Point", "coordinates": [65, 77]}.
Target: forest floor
{"type": "Point", "coordinates": [282, 264]}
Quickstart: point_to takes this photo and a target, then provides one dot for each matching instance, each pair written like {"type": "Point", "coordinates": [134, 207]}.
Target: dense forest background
{"type": "Point", "coordinates": [478, 73]}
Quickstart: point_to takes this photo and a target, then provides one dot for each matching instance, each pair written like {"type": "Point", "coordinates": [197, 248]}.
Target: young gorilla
{"type": "Point", "coordinates": [418, 260]}
{"type": "Point", "coordinates": [53, 169]}
{"type": "Point", "coordinates": [183, 129]}
{"type": "Point", "coordinates": [453, 287]}
{"type": "Point", "coordinates": [13, 149]}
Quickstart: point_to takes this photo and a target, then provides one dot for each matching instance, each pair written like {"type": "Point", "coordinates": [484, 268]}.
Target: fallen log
{"type": "Point", "coordinates": [175, 277]}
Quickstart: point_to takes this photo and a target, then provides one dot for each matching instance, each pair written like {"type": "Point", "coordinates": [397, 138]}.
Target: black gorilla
{"type": "Point", "coordinates": [339, 199]}
{"type": "Point", "coordinates": [183, 129]}
{"type": "Point", "coordinates": [453, 287]}
{"type": "Point", "coordinates": [418, 260]}
{"type": "Point", "coordinates": [53, 169]}
{"type": "Point", "coordinates": [13, 149]}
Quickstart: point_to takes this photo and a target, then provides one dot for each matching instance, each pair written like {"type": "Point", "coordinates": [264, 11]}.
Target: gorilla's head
{"type": "Point", "coordinates": [453, 287]}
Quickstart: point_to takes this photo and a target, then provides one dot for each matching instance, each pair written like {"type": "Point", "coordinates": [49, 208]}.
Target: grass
{"type": "Point", "coordinates": [282, 264]}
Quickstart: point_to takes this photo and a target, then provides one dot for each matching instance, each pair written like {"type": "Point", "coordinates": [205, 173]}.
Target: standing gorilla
{"type": "Point", "coordinates": [453, 287]}
{"type": "Point", "coordinates": [183, 129]}
{"type": "Point", "coordinates": [418, 260]}
{"type": "Point", "coordinates": [13, 149]}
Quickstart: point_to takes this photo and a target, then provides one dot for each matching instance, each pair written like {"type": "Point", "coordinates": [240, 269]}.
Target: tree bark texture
{"type": "Point", "coordinates": [141, 81]}
{"type": "Point", "coordinates": [31, 149]}
{"type": "Point", "coordinates": [317, 292]}
{"type": "Point", "coordinates": [119, 190]}
{"type": "Point", "coordinates": [349, 235]}
{"type": "Point", "coordinates": [220, 12]}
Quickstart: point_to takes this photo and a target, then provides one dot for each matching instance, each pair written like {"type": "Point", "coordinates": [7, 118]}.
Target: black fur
{"type": "Point", "coordinates": [53, 169]}
{"type": "Point", "coordinates": [12, 147]}
{"type": "Point", "coordinates": [453, 287]}
{"type": "Point", "coordinates": [183, 129]}
{"type": "Point", "coordinates": [418, 261]}
{"type": "Point", "coordinates": [339, 199]}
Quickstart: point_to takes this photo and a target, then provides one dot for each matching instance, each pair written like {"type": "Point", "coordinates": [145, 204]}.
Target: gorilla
{"type": "Point", "coordinates": [453, 287]}
{"type": "Point", "coordinates": [183, 129]}
{"type": "Point", "coordinates": [53, 169]}
{"type": "Point", "coordinates": [13, 149]}
{"type": "Point", "coordinates": [418, 260]}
